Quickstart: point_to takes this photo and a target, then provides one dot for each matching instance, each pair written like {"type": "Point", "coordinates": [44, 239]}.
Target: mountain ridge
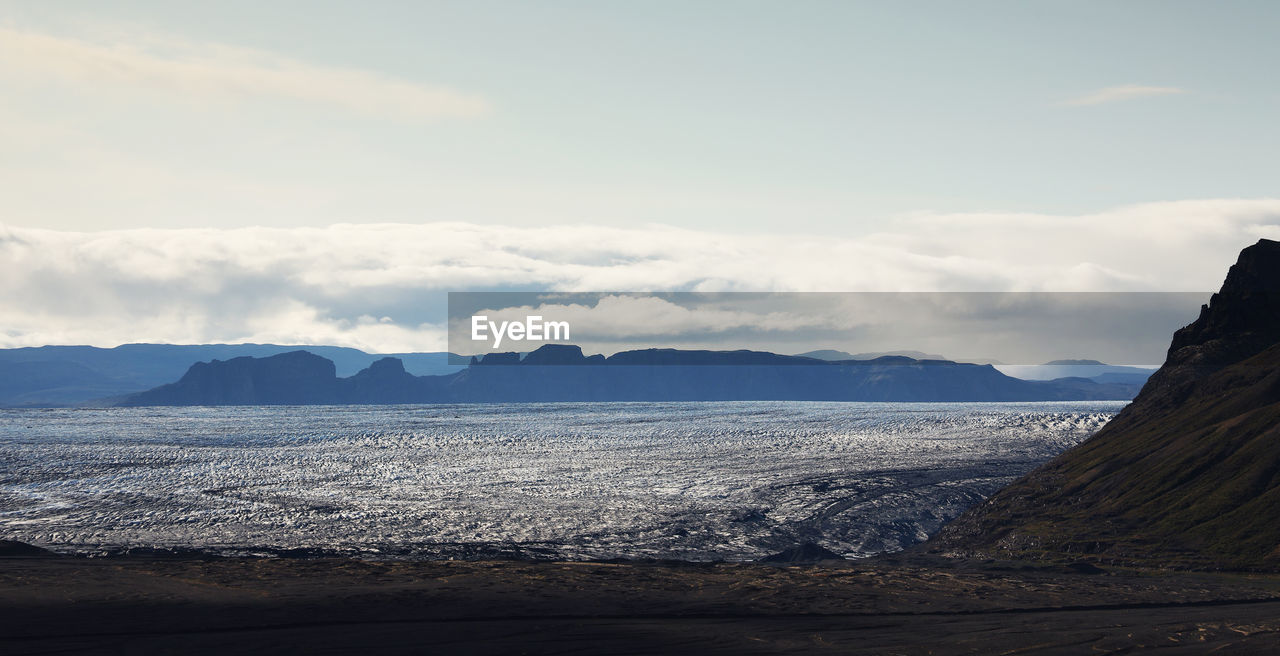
{"type": "Point", "coordinates": [560, 372]}
{"type": "Point", "coordinates": [71, 375]}
{"type": "Point", "coordinates": [1187, 475]}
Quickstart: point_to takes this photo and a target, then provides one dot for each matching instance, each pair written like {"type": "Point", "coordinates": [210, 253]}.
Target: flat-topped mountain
{"type": "Point", "coordinates": [834, 355]}
{"type": "Point", "coordinates": [288, 378]}
{"type": "Point", "coordinates": [557, 372]}
{"type": "Point", "coordinates": [68, 375]}
{"type": "Point", "coordinates": [74, 375]}
{"type": "Point", "coordinates": [1186, 475]}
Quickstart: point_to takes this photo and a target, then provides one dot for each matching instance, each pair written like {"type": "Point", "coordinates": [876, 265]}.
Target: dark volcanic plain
{"type": "Point", "coordinates": [893, 605]}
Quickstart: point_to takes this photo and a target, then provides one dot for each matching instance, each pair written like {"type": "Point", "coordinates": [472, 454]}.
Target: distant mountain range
{"type": "Point", "coordinates": [563, 373]}
{"type": "Point", "coordinates": [72, 375]}
{"type": "Point", "coordinates": [68, 375]}
{"type": "Point", "coordinates": [1092, 369]}
{"type": "Point", "coordinates": [835, 356]}
{"type": "Point", "coordinates": [1188, 475]}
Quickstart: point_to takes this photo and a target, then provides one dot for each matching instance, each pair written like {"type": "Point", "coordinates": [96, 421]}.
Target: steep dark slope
{"type": "Point", "coordinates": [1187, 475]}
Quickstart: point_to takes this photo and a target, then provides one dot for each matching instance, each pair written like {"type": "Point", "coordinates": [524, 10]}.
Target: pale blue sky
{"type": "Point", "coordinates": [815, 117]}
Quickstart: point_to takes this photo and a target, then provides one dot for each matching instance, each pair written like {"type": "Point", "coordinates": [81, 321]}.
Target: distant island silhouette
{"type": "Point", "coordinates": [71, 375]}
{"type": "Point", "coordinates": [558, 372]}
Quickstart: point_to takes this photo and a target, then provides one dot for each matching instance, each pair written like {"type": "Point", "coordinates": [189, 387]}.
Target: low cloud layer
{"type": "Point", "coordinates": [1017, 328]}
{"type": "Point", "coordinates": [381, 287]}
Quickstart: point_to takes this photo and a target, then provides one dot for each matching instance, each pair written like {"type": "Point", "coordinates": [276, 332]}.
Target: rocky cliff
{"type": "Point", "coordinates": [1188, 475]}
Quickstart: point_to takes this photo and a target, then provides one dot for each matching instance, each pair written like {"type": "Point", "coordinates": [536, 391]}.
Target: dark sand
{"type": "Point", "coordinates": [889, 606]}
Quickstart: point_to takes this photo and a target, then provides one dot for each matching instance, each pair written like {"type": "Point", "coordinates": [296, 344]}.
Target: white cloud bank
{"type": "Point", "coordinates": [1012, 327]}
{"type": "Point", "coordinates": [379, 287]}
{"type": "Point", "coordinates": [213, 71]}
{"type": "Point", "coordinates": [1122, 93]}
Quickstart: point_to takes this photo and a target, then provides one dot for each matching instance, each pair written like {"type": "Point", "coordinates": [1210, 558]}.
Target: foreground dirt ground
{"type": "Point", "coordinates": [908, 606]}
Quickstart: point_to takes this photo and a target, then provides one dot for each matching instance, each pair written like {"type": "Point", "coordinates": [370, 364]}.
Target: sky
{"type": "Point", "coordinates": [325, 172]}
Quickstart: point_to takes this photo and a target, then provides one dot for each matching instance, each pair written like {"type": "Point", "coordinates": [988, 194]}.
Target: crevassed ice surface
{"type": "Point", "coordinates": [693, 481]}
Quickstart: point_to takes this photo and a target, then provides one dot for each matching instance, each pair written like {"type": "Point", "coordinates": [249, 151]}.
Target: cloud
{"type": "Point", "coordinates": [640, 319]}
{"type": "Point", "coordinates": [1122, 93]}
{"type": "Point", "coordinates": [328, 284]}
{"type": "Point", "coordinates": [1015, 328]}
{"type": "Point", "coordinates": [213, 71]}
{"type": "Point", "coordinates": [1171, 246]}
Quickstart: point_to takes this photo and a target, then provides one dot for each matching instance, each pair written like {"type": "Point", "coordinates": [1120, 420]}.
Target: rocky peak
{"type": "Point", "coordinates": [1241, 319]}
{"type": "Point", "coordinates": [1186, 475]}
{"type": "Point", "coordinates": [556, 354]}
{"type": "Point", "coordinates": [387, 367]}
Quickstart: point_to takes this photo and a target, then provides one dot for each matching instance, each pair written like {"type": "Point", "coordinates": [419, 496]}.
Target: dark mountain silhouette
{"type": "Point", "coordinates": [68, 375]}
{"type": "Point", "coordinates": [557, 372]}
{"type": "Point", "coordinates": [827, 354]}
{"type": "Point", "coordinates": [834, 355]}
{"type": "Point", "coordinates": [297, 377]}
{"type": "Point", "coordinates": [386, 381]}
{"type": "Point", "coordinates": [1186, 475]}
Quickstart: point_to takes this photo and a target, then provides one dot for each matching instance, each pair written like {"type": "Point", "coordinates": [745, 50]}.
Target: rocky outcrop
{"type": "Point", "coordinates": [1188, 475]}
{"type": "Point", "coordinates": [75, 375]}
{"type": "Point", "coordinates": [293, 378]}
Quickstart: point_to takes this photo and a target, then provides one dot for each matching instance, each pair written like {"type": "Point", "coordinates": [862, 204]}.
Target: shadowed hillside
{"type": "Point", "coordinates": [1187, 475]}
